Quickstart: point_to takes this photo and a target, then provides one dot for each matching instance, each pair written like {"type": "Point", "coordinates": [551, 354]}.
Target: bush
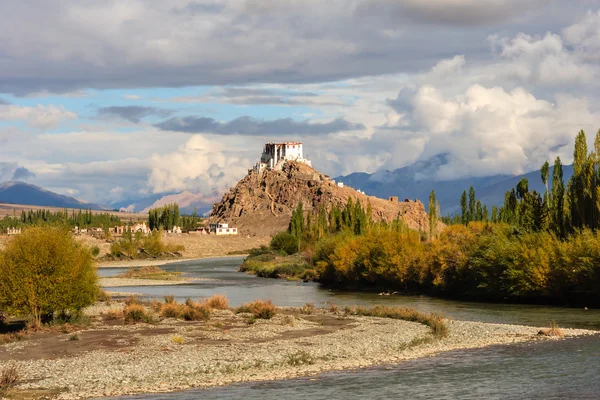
{"type": "Point", "coordinates": [259, 308]}
{"type": "Point", "coordinates": [9, 376]}
{"type": "Point", "coordinates": [45, 270]}
{"type": "Point", "coordinates": [136, 313]}
{"type": "Point", "coordinates": [104, 296]}
{"type": "Point", "coordinates": [218, 302]}
{"type": "Point", "coordinates": [196, 312]}
{"type": "Point", "coordinates": [95, 251]}
{"type": "Point", "coordinates": [171, 310]}
{"type": "Point", "coordinates": [286, 242]}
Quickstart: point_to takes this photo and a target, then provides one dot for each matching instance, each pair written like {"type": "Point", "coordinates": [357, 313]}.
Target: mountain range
{"type": "Point", "coordinates": [413, 182]}
{"type": "Point", "coordinates": [25, 193]}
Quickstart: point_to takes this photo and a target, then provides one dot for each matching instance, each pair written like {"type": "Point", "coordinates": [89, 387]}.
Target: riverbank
{"type": "Point", "coordinates": [156, 262]}
{"type": "Point", "coordinates": [110, 358]}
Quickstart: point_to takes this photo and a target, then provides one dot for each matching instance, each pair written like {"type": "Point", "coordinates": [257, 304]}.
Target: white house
{"type": "Point", "coordinates": [222, 229]}
{"type": "Point", "coordinates": [275, 154]}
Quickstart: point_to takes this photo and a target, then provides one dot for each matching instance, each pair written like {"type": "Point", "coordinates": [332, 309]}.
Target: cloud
{"type": "Point", "coordinates": [22, 174]}
{"type": "Point", "coordinates": [202, 165]}
{"type": "Point", "coordinates": [252, 126]}
{"type": "Point", "coordinates": [134, 113]}
{"type": "Point", "coordinates": [43, 117]}
{"type": "Point", "coordinates": [450, 12]}
{"type": "Point", "coordinates": [111, 44]}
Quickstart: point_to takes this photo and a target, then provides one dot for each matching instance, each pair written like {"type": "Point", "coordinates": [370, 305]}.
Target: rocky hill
{"type": "Point", "coordinates": [262, 203]}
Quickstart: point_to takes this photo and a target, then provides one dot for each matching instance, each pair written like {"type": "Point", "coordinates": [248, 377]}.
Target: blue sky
{"type": "Point", "coordinates": [109, 100]}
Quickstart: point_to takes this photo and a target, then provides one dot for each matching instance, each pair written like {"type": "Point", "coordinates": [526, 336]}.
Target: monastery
{"type": "Point", "coordinates": [276, 154]}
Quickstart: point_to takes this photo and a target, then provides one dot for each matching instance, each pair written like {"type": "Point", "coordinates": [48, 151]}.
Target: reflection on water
{"type": "Point", "coordinates": [565, 369]}
{"type": "Point", "coordinates": [222, 278]}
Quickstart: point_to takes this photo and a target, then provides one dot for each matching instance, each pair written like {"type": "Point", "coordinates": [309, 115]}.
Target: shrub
{"type": "Point", "coordinates": [300, 358]}
{"type": "Point", "coordinates": [554, 330]}
{"type": "Point", "coordinates": [196, 312]}
{"type": "Point", "coordinates": [286, 242]}
{"type": "Point", "coordinates": [308, 309]}
{"type": "Point", "coordinates": [170, 299]}
{"type": "Point", "coordinates": [129, 300]}
{"type": "Point", "coordinates": [3, 318]}
{"type": "Point", "coordinates": [45, 270]}
{"type": "Point", "coordinates": [259, 308]}
{"type": "Point", "coordinates": [136, 313]}
{"type": "Point", "coordinates": [95, 251]}
{"type": "Point", "coordinates": [177, 340]}
{"type": "Point", "coordinates": [9, 376]}
{"type": "Point", "coordinates": [104, 296]}
{"type": "Point", "coordinates": [74, 337]}
{"type": "Point", "coordinates": [218, 302]}
{"type": "Point", "coordinates": [113, 315]}
{"type": "Point", "coordinates": [171, 310]}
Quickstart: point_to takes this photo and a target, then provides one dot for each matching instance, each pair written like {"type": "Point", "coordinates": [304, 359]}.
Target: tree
{"type": "Point", "coordinates": [463, 208]}
{"type": "Point", "coordinates": [557, 213]}
{"type": "Point", "coordinates": [471, 204]}
{"type": "Point", "coordinates": [296, 227]}
{"type": "Point", "coordinates": [432, 215]}
{"type": "Point", "coordinates": [45, 270]}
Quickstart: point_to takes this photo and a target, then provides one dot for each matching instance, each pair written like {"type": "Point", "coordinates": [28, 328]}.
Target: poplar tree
{"type": "Point", "coordinates": [432, 215]}
{"type": "Point", "coordinates": [463, 208]}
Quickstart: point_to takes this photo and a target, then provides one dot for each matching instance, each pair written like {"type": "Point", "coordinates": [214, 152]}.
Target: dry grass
{"type": "Point", "coordinates": [554, 330]}
{"type": "Point", "coordinates": [218, 302]}
{"type": "Point", "coordinates": [308, 309]}
{"type": "Point", "coordinates": [12, 337]}
{"type": "Point", "coordinates": [196, 312]}
{"type": "Point", "coordinates": [104, 296]}
{"type": "Point", "coordinates": [171, 310]}
{"type": "Point", "coordinates": [137, 313]}
{"type": "Point", "coordinates": [149, 272]}
{"type": "Point", "coordinates": [259, 308]}
{"type": "Point", "coordinates": [435, 322]}
{"type": "Point", "coordinates": [177, 340]}
{"type": "Point", "coordinates": [113, 315]}
{"type": "Point", "coordinates": [9, 377]}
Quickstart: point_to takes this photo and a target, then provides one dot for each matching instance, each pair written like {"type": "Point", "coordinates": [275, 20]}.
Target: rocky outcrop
{"type": "Point", "coordinates": [262, 203]}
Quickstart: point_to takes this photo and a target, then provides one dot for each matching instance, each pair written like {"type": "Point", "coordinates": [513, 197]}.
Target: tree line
{"type": "Point", "coordinates": [561, 209]}
{"type": "Point", "coordinates": [63, 218]}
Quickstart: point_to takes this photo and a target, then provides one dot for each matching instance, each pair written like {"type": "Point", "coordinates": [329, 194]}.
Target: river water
{"type": "Point", "coordinates": [565, 369]}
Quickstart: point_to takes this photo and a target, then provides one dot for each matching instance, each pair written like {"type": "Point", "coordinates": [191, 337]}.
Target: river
{"type": "Point", "coordinates": [565, 369]}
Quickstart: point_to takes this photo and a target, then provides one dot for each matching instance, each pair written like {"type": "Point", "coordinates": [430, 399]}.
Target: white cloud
{"type": "Point", "coordinates": [43, 117]}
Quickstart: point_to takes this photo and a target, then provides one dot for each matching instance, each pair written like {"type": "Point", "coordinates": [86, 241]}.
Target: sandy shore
{"type": "Point", "coordinates": [110, 359]}
{"type": "Point", "coordinates": [158, 262]}
{"type": "Point", "coordinates": [120, 282]}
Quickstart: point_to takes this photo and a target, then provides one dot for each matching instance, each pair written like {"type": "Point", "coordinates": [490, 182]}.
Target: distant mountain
{"type": "Point", "coordinates": [27, 194]}
{"type": "Point", "coordinates": [412, 182]}
{"type": "Point", "coordinates": [186, 200]}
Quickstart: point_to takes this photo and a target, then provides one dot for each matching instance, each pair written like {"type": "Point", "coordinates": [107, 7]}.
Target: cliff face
{"type": "Point", "coordinates": [262, 203]}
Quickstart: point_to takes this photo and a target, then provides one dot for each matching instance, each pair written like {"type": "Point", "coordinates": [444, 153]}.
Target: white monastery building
{"type": "Point", "coordinates": [275, 154]}
{"type": "Point", "coordinates": [222, 229]}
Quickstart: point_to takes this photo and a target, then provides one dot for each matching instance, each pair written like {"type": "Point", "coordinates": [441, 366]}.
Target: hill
{"type": "Point", "coordinates": [414, 182]}
{"type": "Point", "coordinates": [262, 202]}
{"type": "Point", "coordinates": [27, 194]}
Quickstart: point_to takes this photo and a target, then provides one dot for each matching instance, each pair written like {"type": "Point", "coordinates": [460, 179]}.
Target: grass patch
{"type": "Point", "coordinates": [259, 309]}
{"type": "Point", "coordinates": [177, 340]}
{"type": "Point", "coordinates": [104, 296]}
{"type": "Point", "coordinates": [218, 302]}
{"type": "Point", "coordinates": [12, 337]}
{"type": "Point", "coordinates": [300, 358]}
{"type": "Point", "coordinates": [150, 272]}
{"type": "Point", "coordinates": [554, 330]}
{"type": "Point", "coordinates": [435, 322]}
{"type": "Point", "coordinates": [171, 310]}
{"type": "Point", "coordinates": [137, 313]}
{"type": "Point", "coordinates": [275, 265]}
{"type": "Point", "coordinates": [9, 377]}
{"type": "Point", "coordinates": [307, 309]}
{"type": "Point", "coordinates": [74, 337]}
{"type": "Point", "coordinates": [196, 311]}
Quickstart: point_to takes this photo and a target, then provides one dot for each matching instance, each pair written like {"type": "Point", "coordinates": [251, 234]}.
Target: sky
{"type": "Point", "coordinates": [109, 100]}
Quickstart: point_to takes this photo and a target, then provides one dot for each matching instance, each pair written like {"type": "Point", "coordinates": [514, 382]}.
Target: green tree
{"type": "Point", "coordinates": [433, 217]}
{"type": "Point", "coordinates": [463, 208]}
{"type": "Point", "coordinates": [472, 205]}
{"type": "Point", "coordinates": [557, 213]}
{"type": "Point", "coordinates": [45, 270]}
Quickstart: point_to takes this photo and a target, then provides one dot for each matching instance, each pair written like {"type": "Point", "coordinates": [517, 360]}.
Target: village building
{"type": "Point", "coordinates": [13, 231]}
{"type": "Point", "coordinates": [276, 154]}
{"type": "Point", "coordinates": [222, 229]}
